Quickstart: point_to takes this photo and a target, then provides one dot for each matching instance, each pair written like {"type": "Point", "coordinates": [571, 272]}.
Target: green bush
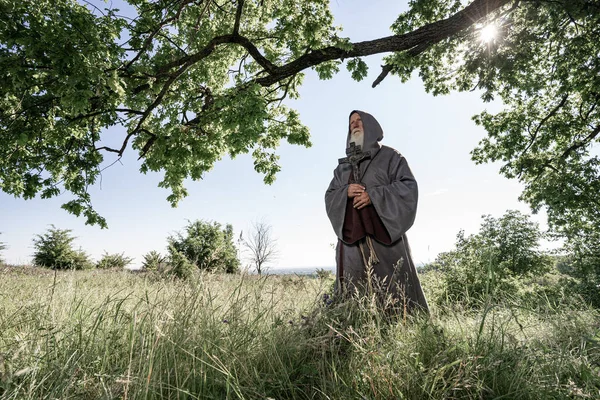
{"type": "Point", "coordinates": [2, 247]}
{"type": "Point", "coordinates": [180, 266]}
{"type": "Point", "coordinates": [584, 267]}
{"type": "Point", "coordinates": [323, 273]}
{"type": "Point", "coordinates": [154, 261]}
{"type": "Point", "coordinates": [550, 291]}
{"type": "Point", "coordinates": [493, 262]}
{"type": "Point", "coordinates": [581, 249]}
{"type": "Point", "coordinates": [54, 249]}
{"type": "Point", "coordinates": [206, 246]}
{"type": "Point", "coordinates": [116, 260]}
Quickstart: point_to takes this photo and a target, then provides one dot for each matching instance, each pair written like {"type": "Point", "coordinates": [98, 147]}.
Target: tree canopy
{"type": "Point", "coordinates": [194, 80]}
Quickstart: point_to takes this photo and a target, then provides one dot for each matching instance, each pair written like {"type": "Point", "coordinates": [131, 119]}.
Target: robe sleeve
{"type": "Point", "coordinates": [335, 202]}
{"type": "Point", "coordinates": [396, 202]}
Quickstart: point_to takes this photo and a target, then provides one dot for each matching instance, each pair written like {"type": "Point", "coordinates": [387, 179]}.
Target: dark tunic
{"type": "Point", "coordinates": [394, 193]}
{"type": "Point", "coordinates": [363, 222]}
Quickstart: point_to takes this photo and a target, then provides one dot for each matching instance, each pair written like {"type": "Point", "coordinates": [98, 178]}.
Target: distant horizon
{"type": "Point", "coordinates": [330, 267]}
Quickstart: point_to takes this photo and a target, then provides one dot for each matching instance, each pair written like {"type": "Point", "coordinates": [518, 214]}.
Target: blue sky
{"type": "Point", "coordinates": [435, 134]}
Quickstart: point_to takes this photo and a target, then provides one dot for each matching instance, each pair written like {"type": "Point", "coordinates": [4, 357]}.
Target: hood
{"type": "Point", "coordinates": [373, 132]}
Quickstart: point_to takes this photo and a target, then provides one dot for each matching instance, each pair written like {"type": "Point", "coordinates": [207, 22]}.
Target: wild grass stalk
{"type": "Point", "coordinates": [112, 335]}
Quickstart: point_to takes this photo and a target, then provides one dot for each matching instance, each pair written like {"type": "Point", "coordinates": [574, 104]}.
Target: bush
{"type": "Point", "coordinates": [116, 260]}
{"type": "Point", "coordinates": [493, 262]}
{"type": "Point", "coordinates": [206, 246]}
{"type": "Point", "coordinates": [180, 266]}
{"type": "Point", "coordinates": [54, 249]}
{"type": "Point", "coordinates": [323, 273]}
{"type": "Point", "coordinates": [154, 261]}
{"type": "Point", "coordinates": [583, 265]}
{"type": "Point", "coordinates": [585, 280]}
{"type": "Point", "coordinates": [2, 247]}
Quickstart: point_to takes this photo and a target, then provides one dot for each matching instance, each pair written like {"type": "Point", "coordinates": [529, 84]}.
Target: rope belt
{"type": "Point", "coordinates": [373, 259]}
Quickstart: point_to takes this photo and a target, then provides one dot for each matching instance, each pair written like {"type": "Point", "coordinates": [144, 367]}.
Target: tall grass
{"type": "Point", "coordinates": [109, 335]}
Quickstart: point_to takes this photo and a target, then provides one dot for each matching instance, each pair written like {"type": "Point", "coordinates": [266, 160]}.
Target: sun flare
{"type": "Point", "coordinates": [488, 33]}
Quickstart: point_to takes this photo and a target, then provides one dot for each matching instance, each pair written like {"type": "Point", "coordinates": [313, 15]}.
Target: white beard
{"type": "Point", "coordinates": [357, 137]}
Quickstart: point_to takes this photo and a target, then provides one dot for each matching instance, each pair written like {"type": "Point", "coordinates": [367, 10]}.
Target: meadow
{"type": "Point", "coordinates": [113, 334]}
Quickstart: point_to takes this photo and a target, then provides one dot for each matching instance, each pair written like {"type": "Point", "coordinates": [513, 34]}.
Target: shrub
{"type": "Point", "coordinates": [582, 250]}
{"type": "Point", "coordinates": [154, 261]}
{"type": "Point", "coordinates": [584, 266]}
{"type": "Point", "coordinates": [492, 262]}
{"type": "Point", "coordinates": [116, 260]}
{"type": "Point", "coordinates": [180, 266]}
{"type": "Point", "coordinates": [2, 247]}
{"type": "Point", "coordinates": [54, 249]}
{"type": "Point", "coordinates": [206, 246]}
{"type": "Point", "coordinates": [323, 273]}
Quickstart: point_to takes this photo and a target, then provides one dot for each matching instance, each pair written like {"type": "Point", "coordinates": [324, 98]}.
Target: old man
{"type": "Point", "coordinates": [371, 203]}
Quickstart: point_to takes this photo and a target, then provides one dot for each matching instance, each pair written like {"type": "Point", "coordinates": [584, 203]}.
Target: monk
{"type": "Point", "coordinates": [371, 203]}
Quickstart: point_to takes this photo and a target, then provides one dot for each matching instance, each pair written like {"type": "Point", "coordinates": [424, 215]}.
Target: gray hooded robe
{"type": "Point", "coordinates": [393, 191]}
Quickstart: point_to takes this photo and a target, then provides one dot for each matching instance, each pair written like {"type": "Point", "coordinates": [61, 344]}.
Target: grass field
{"type": "Point", "coordinates": [116, 334]}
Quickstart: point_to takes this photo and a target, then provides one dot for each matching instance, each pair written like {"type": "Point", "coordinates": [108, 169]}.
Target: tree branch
{"type": "Point", "coordinates": [107, 149]}
{"type": "Point", "coordinates": [569, 150]}
{"type": "Point", "coordinates": [420, 39]}
{"type": "Point", "coordinates": [543, 121]}
{"type": "Point", "coordinates": [190, 61]}
{"type": "Point", "coordinates": [210, 47]}
{"type": "Point", "coordinates": [238, 17]}
{"type": "Point", "coordinates": [100, 112]}
{"type": "Point", "coordinates": [255, 54]}
{"type": "Point", "coordinates": [156, 31]}
{"type": "Point", "coordinates": [416, 42]}
{"type": "Point", "coordinates": [581, 143]}
{"type": "Point", "coordinates": [385, 70]}
{"type": "Point", "coordinates": [148, 144]}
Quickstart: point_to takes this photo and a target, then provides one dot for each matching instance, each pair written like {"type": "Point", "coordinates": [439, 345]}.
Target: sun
{"type": "Point", "coordinates": [488, 33]}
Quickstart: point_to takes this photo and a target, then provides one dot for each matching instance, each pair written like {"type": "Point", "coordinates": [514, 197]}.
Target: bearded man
{"type": "Point", "coordinates": [371, 203]}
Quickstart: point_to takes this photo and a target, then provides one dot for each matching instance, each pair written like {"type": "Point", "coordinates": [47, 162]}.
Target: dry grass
{"type": "Point", "coordinates": [114, 334]}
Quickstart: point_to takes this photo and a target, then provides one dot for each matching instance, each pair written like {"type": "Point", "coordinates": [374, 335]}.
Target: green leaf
{"type": "Point", "coordinates": [358, 68]}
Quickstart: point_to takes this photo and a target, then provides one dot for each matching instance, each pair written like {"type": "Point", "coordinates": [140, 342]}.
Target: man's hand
{"type": "Point", "coordinates": [361, 201]}
{"type": "Point", "coordinates": [355, 190]}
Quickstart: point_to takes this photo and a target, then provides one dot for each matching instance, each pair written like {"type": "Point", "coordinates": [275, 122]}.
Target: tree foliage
{"type": "Point", "coordinates": [54, 249]}
{"type": "Point", "coordinates": [206, 246]}
{"type": "Point", "coordinates": [190, 80]}
{"type": "Point", "coordinates": [194, 80]}
{"type": "Point", "coordinates": [544, 67]}
{"type": "Point", "coordinates": [505, 250]}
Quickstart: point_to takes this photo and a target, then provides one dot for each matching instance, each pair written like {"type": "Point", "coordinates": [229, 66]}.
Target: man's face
{"type": "Point", "coordinates": [356, 125]}
{"type": "Point", "coordinates": [356, 130]}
